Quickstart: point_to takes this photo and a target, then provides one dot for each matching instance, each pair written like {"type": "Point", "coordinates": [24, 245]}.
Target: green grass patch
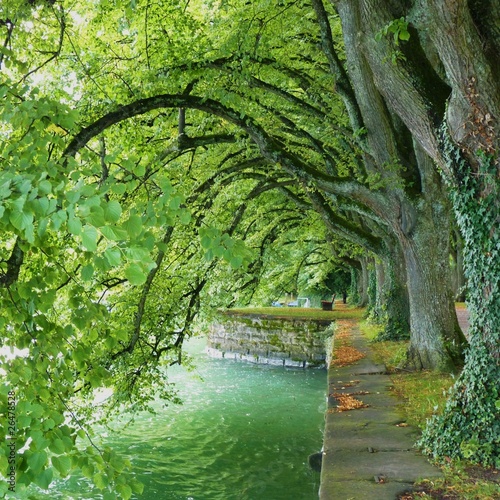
{"type": "Point", "coordinates": [424, 394]}
{"type": "Point", "coordinates": [390, 353]}
{"type": "Point", "coordinates": [308, 313]}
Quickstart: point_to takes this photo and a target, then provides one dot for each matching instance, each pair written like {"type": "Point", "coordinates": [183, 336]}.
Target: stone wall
{"type": "Point", "coordinates": [269, 340]}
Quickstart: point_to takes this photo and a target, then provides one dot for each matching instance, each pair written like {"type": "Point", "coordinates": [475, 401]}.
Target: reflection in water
{"type": "Point", "coordinates": [244, 432]}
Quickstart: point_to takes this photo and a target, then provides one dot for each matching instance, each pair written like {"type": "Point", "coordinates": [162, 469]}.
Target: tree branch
{"type": "Point", "coordinates": [14, 264]}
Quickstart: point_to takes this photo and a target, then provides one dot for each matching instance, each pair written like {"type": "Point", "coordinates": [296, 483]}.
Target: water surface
{"type": "Point", "coordinates": [244, 432]}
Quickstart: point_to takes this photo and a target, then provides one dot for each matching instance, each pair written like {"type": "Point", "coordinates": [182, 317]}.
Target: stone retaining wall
{"type": "Point", "coordinates": [269, 340]}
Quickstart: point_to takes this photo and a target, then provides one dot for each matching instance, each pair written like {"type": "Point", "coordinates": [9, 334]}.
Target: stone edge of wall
{"type": "Point", "coordinates": [259, 352]}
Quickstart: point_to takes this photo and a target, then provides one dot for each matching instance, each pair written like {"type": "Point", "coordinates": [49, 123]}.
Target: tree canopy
{"type": "Point", "coordinates": [162, 159]}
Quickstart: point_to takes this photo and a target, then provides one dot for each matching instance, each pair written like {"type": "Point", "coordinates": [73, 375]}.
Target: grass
{"type": "Point", "coordinates": [340, 311]}
{"type": "Point", "coordinates": [425, 393]}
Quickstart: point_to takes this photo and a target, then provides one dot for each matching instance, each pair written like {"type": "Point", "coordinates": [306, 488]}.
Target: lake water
{"type": "Point", "coordinates": [244, 432]}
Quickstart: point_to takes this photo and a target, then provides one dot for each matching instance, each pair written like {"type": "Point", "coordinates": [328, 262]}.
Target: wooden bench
{"type": "Point", "coordinates": [327, 305]}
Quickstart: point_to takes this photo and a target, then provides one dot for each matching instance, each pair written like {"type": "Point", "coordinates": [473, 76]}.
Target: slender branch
{"type": "Point", "coordinates": [55, 53]}
{"type": "Point", "coordinates": [342, 83]}
{"type": "Point", "coordinates": [14, 264]}
{"type": "Point", "coordinates": [10, 28]}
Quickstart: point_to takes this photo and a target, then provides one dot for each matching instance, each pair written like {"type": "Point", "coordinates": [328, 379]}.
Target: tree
{"type": "Point", "coordinates": [166, 124]}
{"type": "Point", "coordinates": [443, 85]}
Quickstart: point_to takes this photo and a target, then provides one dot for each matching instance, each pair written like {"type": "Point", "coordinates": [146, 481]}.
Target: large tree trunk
{"type": "Point", "coordinates": [363, 276]}
{"type": "Point", "coordinates": [430, 295]}
{"type": "Point", "coordinates": [394, 295]}
{"type": "Point", "coordinates": [421, 224]}
{"type": "Point", "coordinates": [461, 40]}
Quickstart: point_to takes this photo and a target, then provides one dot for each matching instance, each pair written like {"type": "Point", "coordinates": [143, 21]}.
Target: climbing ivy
{"type": "Point", "coordinates": [354, 291]}
{"type": "Point", "coordinates": [469, 427]}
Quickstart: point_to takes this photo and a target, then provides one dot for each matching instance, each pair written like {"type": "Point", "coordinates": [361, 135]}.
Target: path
{"type": "Point", "coordinates": [368, 452]}
{"type": "Point", "coordinates": [463, 319]}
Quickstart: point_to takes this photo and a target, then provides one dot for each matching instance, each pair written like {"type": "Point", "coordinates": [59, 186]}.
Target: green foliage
{"type": "Point", "coordinates": [116, 247]}
{"type": "Point", "coordinates": [398, 28]}
{"type": "Point", "coordinates": [397, 31]}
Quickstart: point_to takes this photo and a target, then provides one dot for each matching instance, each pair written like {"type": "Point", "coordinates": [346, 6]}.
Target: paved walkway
{"type": "Point", "coordinates": [368, 452]}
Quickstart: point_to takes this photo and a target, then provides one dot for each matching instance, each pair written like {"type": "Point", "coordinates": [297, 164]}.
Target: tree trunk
{"type": "Point", "coordinates": [395, 299]}
{"type": "Point", "coordinates": [421, 224]}
{"type": "Point", "coordinates": [461, 41]}
{"type": "Point", "coordinates": [378, 280]}
{"type": "Point", "coordinates": [363, 278]}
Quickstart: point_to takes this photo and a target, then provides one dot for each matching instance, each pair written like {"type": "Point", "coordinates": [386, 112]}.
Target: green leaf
{"type": "Point", "coordinates": [44, 187]}
{"type": "Point", "coordinates": [113, 211]}
{"type": "Point", "coordinates": [88, 471]}
{"type": "Point", "coordinates": [133, 226]}
{"type": "Point", "coordinates": [404, 35]}
{"type": "Point", "coordinates": [118, 188]}
{"type": "Point", "coordinates": [89, 238]}
{"type": "Point", "coordinates": [125, 490]}
{"type": "Point", "coordinates": [114, 233]}
{"type": "Point", "coordinates": [73, 196]}
{"type": "Point", "coordinates": [37, 460]}
{"type": "Point", "coordinates": [175, 202]}
{"type": "Point", "coordinates": [206, 242]}
{"type": "Point", "coordinates": [21, 220]}
{"type": "Point", "coordinates": [62, 464]}
{"type": "Point", "coordinates": [44, 478]}
{"type": "Point", "coordinates": [137, 487]}
{"type": "Point", "coordinates": [137, 253]}
{"type": "Point", "coordinates": [185, 216]}
{"type": "Point", "coordinates": [100, 480]}
{"type": "Point", "coordinates": [135, 274]}
{"type": "Point", "coordinates": [58, 218]}
{"type": "Point", "coordinates": [23, 421]}
{"type": "Point", "coordinates": [87, 272]}
{"type": "Point", "coordinates": [74, 225]}
{"type": "Point", "coordinates": [96, 217]}
{"type": "Point", "coordinates": [114, 256]}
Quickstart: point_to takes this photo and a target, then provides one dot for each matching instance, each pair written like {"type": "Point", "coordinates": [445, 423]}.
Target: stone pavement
{"type": "Point", "coordinates": [368, 452]}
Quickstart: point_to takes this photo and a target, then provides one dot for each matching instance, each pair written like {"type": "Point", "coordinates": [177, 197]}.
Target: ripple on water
{"type": "Point", "coordinates": [244, 432]}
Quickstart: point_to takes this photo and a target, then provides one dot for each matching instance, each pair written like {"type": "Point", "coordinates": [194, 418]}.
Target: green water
{"type": "Point", "coordinates": [244, 432]}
